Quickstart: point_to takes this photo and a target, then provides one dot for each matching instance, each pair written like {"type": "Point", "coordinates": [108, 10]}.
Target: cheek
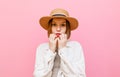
{"type": "Point", "coordinates": [53, 30]}
{"type": "Point", "coordinates": [64, 30]}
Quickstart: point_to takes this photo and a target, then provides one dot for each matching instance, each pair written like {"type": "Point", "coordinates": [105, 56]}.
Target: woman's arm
{"type": "Point", "coordinates": [72, 60]}
{"type": "Point", "coordinates": [44, 62]}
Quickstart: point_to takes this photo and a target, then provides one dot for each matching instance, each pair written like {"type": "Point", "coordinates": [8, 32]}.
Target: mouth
{"type": "Point", "coordinates": [58, 34]}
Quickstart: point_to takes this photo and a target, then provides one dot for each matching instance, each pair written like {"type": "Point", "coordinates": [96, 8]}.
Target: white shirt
{"type": "Point", "coordinates": [72, 61]}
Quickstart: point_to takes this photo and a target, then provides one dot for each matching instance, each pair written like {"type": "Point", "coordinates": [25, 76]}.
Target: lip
{"type": "Point", "coordinates": [58, 34]}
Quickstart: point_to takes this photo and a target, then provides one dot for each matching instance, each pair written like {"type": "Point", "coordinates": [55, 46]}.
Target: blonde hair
{"type": "Point", "coordinates": [68, 29]}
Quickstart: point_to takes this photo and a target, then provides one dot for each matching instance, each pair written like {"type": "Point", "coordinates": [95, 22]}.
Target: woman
{"type": "Point", "coordinates": [59, 57]}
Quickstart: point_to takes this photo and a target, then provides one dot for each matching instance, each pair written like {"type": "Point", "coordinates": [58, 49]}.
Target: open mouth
{"type": "Point", "coordinates": [58, 34]}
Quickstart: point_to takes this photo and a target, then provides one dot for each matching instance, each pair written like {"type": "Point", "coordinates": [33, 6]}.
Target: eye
{"type": "Point", "coordinates": [53, 24]}
{"type": "Point", "coordinates": [64, 24]}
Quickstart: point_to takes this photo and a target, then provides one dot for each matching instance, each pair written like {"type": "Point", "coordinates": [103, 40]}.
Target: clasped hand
{"type": "Point", "coordinates": [53, 39]}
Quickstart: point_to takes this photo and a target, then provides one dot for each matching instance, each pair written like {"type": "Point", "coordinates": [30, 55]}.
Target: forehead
{"type": "Point", "coordinates": [59, 20]}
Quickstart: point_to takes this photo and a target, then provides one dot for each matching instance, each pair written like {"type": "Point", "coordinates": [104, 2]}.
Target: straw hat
{"type": "Point", "coordinates": [58, 13]}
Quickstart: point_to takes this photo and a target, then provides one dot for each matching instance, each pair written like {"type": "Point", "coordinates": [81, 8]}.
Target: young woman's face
{"type": "Point", "coordinates": [58, 25]}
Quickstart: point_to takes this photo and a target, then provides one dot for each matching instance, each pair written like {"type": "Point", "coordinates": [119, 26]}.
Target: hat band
{"type": "Point", "coordinates": [59, 15]}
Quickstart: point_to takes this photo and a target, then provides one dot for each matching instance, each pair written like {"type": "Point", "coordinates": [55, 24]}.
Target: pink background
{"type": "Point", "coordinates": [99, 34]}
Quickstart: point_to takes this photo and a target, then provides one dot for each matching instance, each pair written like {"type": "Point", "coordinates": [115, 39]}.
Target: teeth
{"type": "Point", "coordinates": [58, 34]}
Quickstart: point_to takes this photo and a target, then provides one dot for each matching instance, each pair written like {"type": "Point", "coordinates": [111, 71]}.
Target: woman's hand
{"type": "Point", "coordinates": [62, 41]}
{"type": "Point", "coordinates": [52, 42]}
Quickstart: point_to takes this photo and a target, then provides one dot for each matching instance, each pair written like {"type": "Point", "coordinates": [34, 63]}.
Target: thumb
{"type": "Point", "coordinates": [56, 39]}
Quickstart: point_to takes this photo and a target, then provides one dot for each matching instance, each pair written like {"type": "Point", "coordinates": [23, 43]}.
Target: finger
{"type": "Point", "coordinates": [52, 36]}
{"type": "Point", "coordinates": [65, 36]}
{"type": "Point", "coordinates": [56, 39]}
{"type": "Point", "coordinates": [62, 36]}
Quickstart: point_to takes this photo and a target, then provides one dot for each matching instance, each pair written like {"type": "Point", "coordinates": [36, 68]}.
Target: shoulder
{"type": "Point", "coordinates": [75, 49]}
{"type": "Point", "coordinates": [74, 43]}
{"type": "Point", "coordinates": [42, 46]}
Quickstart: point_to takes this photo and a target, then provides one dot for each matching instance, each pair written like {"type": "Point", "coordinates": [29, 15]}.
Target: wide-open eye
{"type": "Point", "coordinates": [54, 24]}
{"type": "Point", "coordinates": [63, 24]}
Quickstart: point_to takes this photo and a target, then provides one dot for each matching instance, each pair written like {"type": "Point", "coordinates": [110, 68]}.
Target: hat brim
{"type": "Point", "coordinates": [44, 21]}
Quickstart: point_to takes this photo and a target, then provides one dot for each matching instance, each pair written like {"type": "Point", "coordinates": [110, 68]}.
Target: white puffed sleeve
{"type": "Point", "coordinates": [72, 60]}
{"type": "Point", "coordinates": [44, 61]}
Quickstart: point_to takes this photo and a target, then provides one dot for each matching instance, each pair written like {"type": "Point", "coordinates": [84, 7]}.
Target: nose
{"type": "Point", "coordinates": [58, 28]}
